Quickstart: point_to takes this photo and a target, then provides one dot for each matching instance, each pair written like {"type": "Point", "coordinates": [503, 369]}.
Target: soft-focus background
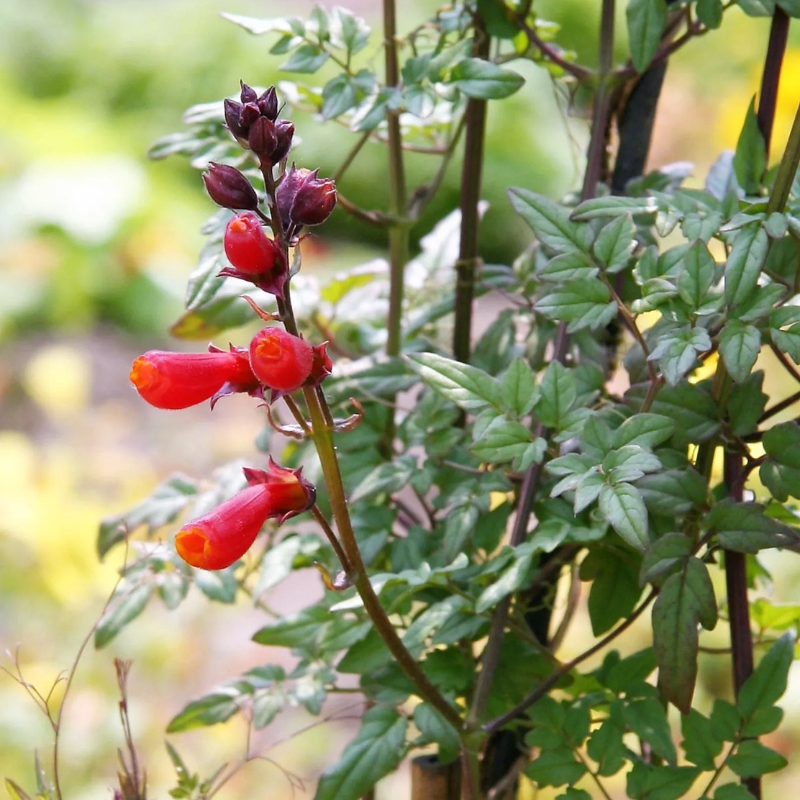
{"type": "Point", "coordinates": [95, 247]}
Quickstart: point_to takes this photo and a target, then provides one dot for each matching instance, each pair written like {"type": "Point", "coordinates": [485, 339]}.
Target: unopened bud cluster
{"type": "Point", "coordinates": [276, 362]}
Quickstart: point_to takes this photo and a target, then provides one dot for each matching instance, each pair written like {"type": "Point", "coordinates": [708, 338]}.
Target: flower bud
{"type": "Point", "coordinates": [321, 367]}
{"type": "Point", "coordinates": [314, 201]}
{"type": "Point", "coordinates": [262, 139]}
{"type": "Point", "coordinates": [284, 132]}
{"type": "Point", "coordinates": [280, 360]}
{"type": "Point", "coordinates": [180, 380]}
{"type": "Point", "coordinates": [228, 188]}
{"type": "Point", "coordinates": [220, 538]}
{"type": "Point", "coordinates": [233, 119]}
{"type": "Point", "coordinates": [268, 103]}
{"type": "Point", "coordinates": [250, 113]}
{"type": "Point", "coordinates": [255, 257]}
{"type": "Point", "coordinates": [248, 94]}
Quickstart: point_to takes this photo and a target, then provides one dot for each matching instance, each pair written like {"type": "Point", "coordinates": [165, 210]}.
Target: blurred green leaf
{"type": "Point", "coordinates": [646, 20]}
{"type": "Point", "coordinates": [126, 604]}
{"type": "Point", "coordinates": [484, 80]}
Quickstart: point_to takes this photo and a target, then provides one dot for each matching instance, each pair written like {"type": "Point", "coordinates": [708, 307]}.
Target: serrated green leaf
{"type": "Point", "coordinates": [788, 341]}
{"type": "Point", "coordinates": [510, 580]}
{"type": "Point", "coordinates": [386, 478]}
{"type": "Point", "coordinates": [622, 507]}
{"type": "Point", "coordinates": [366, 655]}
{"type": "Point", "coordinates": [700, 744]}
{"type": "Point", "coordinates": [469, 388]}
{"type": "Point", "coordinates": [220, 585]}
{"type": "Point", "coordinates": [673, 492]}
{"type": "Point", "coordinates": [210, 709]}
{"type": "Point", "coordinates": [615, 243]}
{"type": "Point", "coordinates": [499, 24]}
{"type": "Point", "coordinates": [663, 555]}
{"type": "Point", "coordinates": [124, 608]}
{"type": "Point", "coordinates": [615, 587]}
{"type": "Point", "coordinates": [677, 353]}
{"type": "Point", "coordinates": [725, 720]}
{"type": "Point", "coordinates": [697, 275]}
{"type": "Point", "coordinates": [502, 441]}
{"type": "Point", "coordinates": [550, 222]}
{"type": "Point", "coordinates": [484, 80]}
{"type": "Point", "coordinates": [354, 30]}
{"type": "Point", "coordinates": [750, 159]}
{"type": "Point", "coordinates": [646, 20]}
{"type": "Point", "coordinates": [377, 749]}
{"type": "Point", "coordinates": [302, 630]}
{"type": "Point", "coordinates": [739, 346]}
{"type": "Point", "coordinates": [605, 745]}
{"type": "Point", "coordinates": [435, 728]}
{"type": "Point", "coordinates": [768, 681]}
{"type": "Point", "coordinates": [373, 111]}
{"type": "Point", "coordinates": [647, 718]}
{"type": "Point", "coordinates": [646, 782]}
{"type": "Point", "coordinates": [307, 59]}
{"type": "Point", "coordinates": [429, 621]}
{"type": "Point", "coordinates": [745, 262]}
{"type": "Point", "coordinates": [281, 559]}
{"type": "Point", "coordinates": [645, 430]}
{"type": "Point", "coordinates": [555, 767]}
{"type": "Point", "coordinates": [338, 95]}
{"type": "Point", "coordinates": [692, 409]}
{"type": "Point", "coordinates": [752, 759]}
{"type": "Point", "coordinates": [582, 303]}
{"type": "Point", "coordinates": [568, 267]}
{"type": "Point", "coordinates": [518, 390]}
{"type": "Point", "coordinates": [745, 528]}
{"type": "Point", "coordinates": [782, 443]}
{"type": "Point", "coordinates": [686, 598]}
{"type": "Point", "coordinates": [732, 791]}
{"type": "Point", "coordinates": [763, 721]}
{"type": "Point", "coordinates": [558, 395]}
{"type": "Point", "coordinates": [613, 206]}
{"type": "Point", "coordinates": [746, 404]}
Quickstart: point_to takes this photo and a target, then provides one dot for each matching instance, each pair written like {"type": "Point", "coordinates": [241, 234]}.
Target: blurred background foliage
{"type": "Point", "coordinates": [96, 244]}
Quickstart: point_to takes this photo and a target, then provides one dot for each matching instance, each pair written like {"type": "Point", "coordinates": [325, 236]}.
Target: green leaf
{"type": "Point", "coordinates": [788, 341]}
{"type": "Point", "coordinates": [574, 794]}
{"type": "Point", "coordinates": [669, 551]}
{"type": "Point", "coordinates": [615, 587]}
{"type": "Point", "coordinates": [124, 607]}
{"type": "Point", "coordinates": [613, 206]}
{"type": "Point", "coordinates": [267, 704]}
{"type": "Point", "coordinates": [692, 409]}
{"type": "Point", "coordinates": [774, 616]}
{"type": "Point", "coordinates": [355, 31]}
{"type": "Point", "coordinates": [498, 24]}
{"type": "Point", "coordinates": [697, 275]}
{"type": "Point", "coordinates": [645, 782]}
{"type": "Point", "coordinates": [484, 80]}
{"type": "Point", "coordinates": [732, 791]}
{"type": "Point", "coordinates": [677, 353]}
{"type": "Point", "coordinates": [308, 58]}
{"type": "Point", "coordinates": [739, 346]}
{"type": "Point", "coordinates": [686, 598]}
{"type": "Point", "coordinates": [622, 507]}
{"type": "Point", "coordinates": [768, 680]}
{"type": "Point", "coordinates": [700, 744]}
{"type": "Point", "coordinates": [366, 655]}
{"type": "Point", "coordinates": [782, 443]}
{"type": "Point", "coordinates": [387, 478]}
{"type": "Point", "coordinates": [752, 759]}
{"type": "Point", "coordinates": [709, 12]}
{"type": "Point", "coordinates": [647, 718]}
{"type": "Point", "coordinates": [220, 585]}
{"type": "Point", "coordinates": [373, 111]}
{"type": "Point", "coordinates": [646, 20]}
{"type": "Point", "coordinates": [510, 581]}
{"type": "Point", "coordinates": [338, 95]}
{"type": "Point", "coordinates": [745, 528]}
{"type": "Point", "coordinates": [568, 267]}
{"type": "Point", "coordinates": [745, 262]}
{"type": "Point", "coordinates": [615, 243]}
{"type": "Point", "coordinates": [605, 745]}
{"type": "Point", "coordinates": [162, 506]}
{"type": "Point", "coordinates": [518, 390]}
{"type": "Point", "coordinates": [673, 492]}
{"type": "Point", "coordinates": [582, 303]}
{"type": "Point", "coordinates": [435, 728]}
{"type": "Point", "coordinates": [302, 630]}
{"type": "Point", "coordinates": [645, 430]}
{"type": "Point", "coordinates": [763, 721]}
{"type": "Point", "coordinates": [750, 160]}
{"type": "Point", "coordinates": [281, 559]}
{"type": "Point", "coordinates": [746, 404]}
{"type": "Point", "coordinates": [469, 388]}
{"type": "Point", "coordinates": [210, 709]}
{"type": "Point", "coordinates": [550, 222]}
{"type": "Point", "coordinates": [725, 721]}
{"type": "Point", "coordinates": [429, 621]}
{"type": "Point", "coordinates": [555, 767]}
{"type": "Point", "coordinates": [559, 394]}
{"type": "Point", "coordinates": [502, 441]}
{"type": "Point", "coordinates": [377, 749]}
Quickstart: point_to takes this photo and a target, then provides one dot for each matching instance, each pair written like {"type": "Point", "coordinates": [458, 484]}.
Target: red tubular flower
{"type": "Point", "coordinates": [180, 380]}
{"type": "Point", "coordinates": [218, 539]}
{"type": "Point", "coordinates": [254, 256]}
{"type": "Point", "coordinates": [280, 360]}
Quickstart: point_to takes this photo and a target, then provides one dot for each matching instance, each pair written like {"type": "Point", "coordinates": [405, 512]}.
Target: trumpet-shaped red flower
{"type": "Point", "coordinates": [180, 380]}
{"type": "Point", "coordinates": [254, 256]}
{"type": "Point", "coordinates": [281, 360]}
{"type": "Point", "coordinates": [218, 539]}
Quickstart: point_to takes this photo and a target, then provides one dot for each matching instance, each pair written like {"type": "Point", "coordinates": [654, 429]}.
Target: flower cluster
{"type": "Point", "coordinates": [276, 362]}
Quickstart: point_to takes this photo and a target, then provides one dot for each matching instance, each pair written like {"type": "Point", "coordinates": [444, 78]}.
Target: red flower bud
{"type": "Point", "coordinates": [248, 94]}
{"type": "Point", "coordinates": [180, 380]}
{"type": "Point", "coordinates": [268, 103]}
{"type": "Point", "coordinates": [280, 360]}
{"type": "Point", "coordinates": [262, 139]}
{"type": "Point", "coordinates": [255, 257]}
{"type": "Point", "coordinates": [233, 119]}
{"type": "Point", "coordinates": [284, 132]}
{"type": "Point", "coordinates": [218, 539]}
{"type": "Point", "coordinates": [228, 188]}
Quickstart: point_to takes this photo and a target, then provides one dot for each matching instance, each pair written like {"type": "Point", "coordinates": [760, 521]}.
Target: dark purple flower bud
{"type": "Point", "coordinates": [314, 200]}
{"type": "Point", "coordinates": [228, 188]}
{"type": "Point", "coordinates": [262, 139]}
{"type": "Point", "coordinates": [268, 103]}
{"type": "Point", "coordinates": [286, 192]}
{"type": "Point", "coordinates": [233, 114]}
{"type": "Point", "coordinates": [284, 132]}
{"type": "Point", "coordinates": [250, 113]}
{"type": "Point", "coordinates": [248, 95]}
